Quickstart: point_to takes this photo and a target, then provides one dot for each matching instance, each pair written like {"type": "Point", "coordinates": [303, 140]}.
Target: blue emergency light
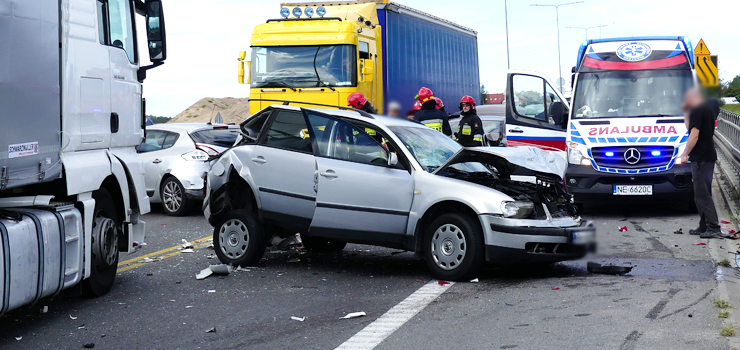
{"type": "Point", "coordinates": [321, 11]}
{"type": "Point", "coordinates": [609, 154]}
{"type": "Point", "coordinates": [285, 12]}
{"type": "Point", "coordinates": [297, 12]}
{"type": "Point", "coordinates": [655, 153]}
{"type": "Point", "coordinates": [308, 11]}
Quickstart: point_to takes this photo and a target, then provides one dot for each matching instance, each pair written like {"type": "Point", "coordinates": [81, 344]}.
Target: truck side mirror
{"type": "Point", "coordinates": [155, 32]}
{"type": "Point", "coordinates": [242, 56]}
{"type": "Point", "coordinates": [368, 70]}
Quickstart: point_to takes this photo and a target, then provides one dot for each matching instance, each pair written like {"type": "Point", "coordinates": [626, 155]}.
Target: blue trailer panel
{"type": "Point", "coordinates": [423, 50]}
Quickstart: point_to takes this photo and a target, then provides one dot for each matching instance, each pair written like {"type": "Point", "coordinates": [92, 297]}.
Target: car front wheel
{"type": "Point", "coordinates": [239, 239]}
{"type": "Point", "coordinates": [454, 247]}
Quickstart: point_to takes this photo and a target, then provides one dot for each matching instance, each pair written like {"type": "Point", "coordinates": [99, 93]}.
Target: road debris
{"type": "Point", "coordinates": [299, 319]}
{"type": "Point", "coordinates": [188, 250]}
{"type": "Point", "coordinates": [88, 345]}
{"type": "Point", "coordinates": [214, 269]}
{"type": "Point", "coordinates": [442, 283]}
{"type": "Point", "coordinates": [702, 243]}
{"type": "Point", "coordinates": [724, 222]}
{"type": "Point", "coordinates": [474, 280]}
{"type": "Point", "coordinates": [82, 326]}
{"type": "Point", "coordinates": [211, 256]}
{"type": "Point", "coordinates": [678, 232]}
{"type": "Point", "coordinates": [186, 244]}
{"type": "Point", "coordinates": [18, 338]}
{"type": "Point", "coordinates": [594, 267]}
{"type": "Point", "coordinates": [212, 330]}
{"type": "Point", "coordinates": [44, 310]}
{"type": "Point", "coordinates": [354, 315]}
{"type": "Point", "coordinates": [211, 291]}
{"type": "Point", "coordinates": [203, 274]}
{"type": "Point", "coordinates": [72, 317]}
{"type": "Point", "coordinates": [294, 260]}
{"type": "Point", "coordinates": [149, 260]}
{"type": "Point", "coordinates": [622, 228]}
{"type": "Point", "coordinates": [189, 306]}
{"type": "Point", "coordinates": [556, 288]}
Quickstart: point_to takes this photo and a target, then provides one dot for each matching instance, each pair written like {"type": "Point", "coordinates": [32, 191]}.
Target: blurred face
{"type": "Point", "coordinates": [466, 107]}
{"type": "Point", "coordinates": [693, 98]}
{"type": "Point", "coordinates": [394, 112]}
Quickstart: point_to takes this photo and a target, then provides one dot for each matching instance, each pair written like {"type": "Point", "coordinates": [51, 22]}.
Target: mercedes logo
{"type": "Point", "coordinates": [632, 156]}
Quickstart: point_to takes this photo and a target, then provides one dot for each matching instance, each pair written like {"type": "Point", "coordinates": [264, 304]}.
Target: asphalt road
{"type": "Point", "coordinates": [665, 303]}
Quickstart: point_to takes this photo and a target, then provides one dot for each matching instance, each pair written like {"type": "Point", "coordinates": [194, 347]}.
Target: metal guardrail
{"type": "Point", "coordinates": [727, 138]}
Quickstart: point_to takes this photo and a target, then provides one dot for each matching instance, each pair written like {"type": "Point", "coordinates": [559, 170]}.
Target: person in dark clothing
{"type": "Point", "coordinates": [441, 106]}
{"type": "Point", "coordinates": [429, 115]}
{"type": "Point", "coordinates": [470, 132]}
{"type": "Point", "coordinates": [700, 151]}
{"type": "Point", "coordinates": [358, 101]}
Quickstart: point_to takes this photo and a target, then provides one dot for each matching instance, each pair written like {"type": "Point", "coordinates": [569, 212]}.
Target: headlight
{"type": "Point", "coordinates": [578, 154]}
{"type": "Point", "coordinates": [517, 210]}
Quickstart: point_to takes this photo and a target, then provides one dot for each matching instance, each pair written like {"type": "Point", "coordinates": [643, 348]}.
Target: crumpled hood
{"type": "Point", "coordinates": [506, 160]}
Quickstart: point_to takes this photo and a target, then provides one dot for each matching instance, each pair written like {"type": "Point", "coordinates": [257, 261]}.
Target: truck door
{"type": "Point", "coordinates": [536, 113]}
{"type": "Point", "coordinates": [124, 121]}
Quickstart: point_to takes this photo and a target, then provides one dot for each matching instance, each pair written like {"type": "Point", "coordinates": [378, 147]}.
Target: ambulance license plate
{"type": "Point", "coordinates": [633, 190]}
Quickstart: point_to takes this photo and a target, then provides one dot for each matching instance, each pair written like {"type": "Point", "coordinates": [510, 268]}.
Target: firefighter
{"type": "Point", "coordinates": [441, 106]}
{"type": "Point", "coordinates": [470, 132]}
{"type": "Point", "coordinates": [429, 115]}
{"type": "Point", "coordinates": [358, 101]}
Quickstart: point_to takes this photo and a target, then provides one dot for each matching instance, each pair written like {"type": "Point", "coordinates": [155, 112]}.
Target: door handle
{"type": "Point", "coordinates": [329, 174]}
{"type": "Point", "coordinates": [517, 131]}
{"type": "Point", "coordinates": [260, 160]}
{"type": "Point", "coordinates": [157, 161]}
{"type": "Point", "coordinates": [114, 123]}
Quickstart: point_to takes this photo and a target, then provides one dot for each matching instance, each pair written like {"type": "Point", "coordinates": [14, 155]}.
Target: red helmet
{"type": "Point", "coordinates": [467, 99]}
{"type": "Point", "coordinates": [425, 95]}
{"type": "Point", "coordinates": [417, 105]}
{"type": "Point", "coordinates": [440, 104]}
{"type": "Point", "coordinates": [356, 100]}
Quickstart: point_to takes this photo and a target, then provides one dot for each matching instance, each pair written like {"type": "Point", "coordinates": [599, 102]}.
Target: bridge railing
{"type": "Point", "coordinates": [727, 138]}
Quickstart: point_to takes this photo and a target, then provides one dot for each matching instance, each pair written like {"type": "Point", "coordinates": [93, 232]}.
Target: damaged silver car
{"type": "Point", "coordinates": [340, 176]}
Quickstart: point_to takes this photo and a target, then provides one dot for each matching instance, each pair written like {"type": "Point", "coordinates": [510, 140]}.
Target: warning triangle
{"type": "Point", "coordinates": [702, 49]}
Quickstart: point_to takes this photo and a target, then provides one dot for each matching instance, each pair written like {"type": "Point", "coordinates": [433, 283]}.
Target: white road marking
{"type": "Point", "coordinates": [372, 335]}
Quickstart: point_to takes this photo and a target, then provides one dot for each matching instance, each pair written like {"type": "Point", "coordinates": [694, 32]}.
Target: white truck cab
{"type": "Point", "coordinates": [71, 183]}
{"type": "Point", "coordinates": [624, 130]}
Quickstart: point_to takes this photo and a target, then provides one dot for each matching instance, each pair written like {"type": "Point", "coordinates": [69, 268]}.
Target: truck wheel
{"type": "Point", "coordinates": [322, 245]}
{"type": "Point", "coordinates": [239, 239]}
{"type": "Point", "coordinates": [454, 247]}
{"type": "Point", "coordinates": [104, 246]}
{"type": "Point", "coordinates": [174, 200]}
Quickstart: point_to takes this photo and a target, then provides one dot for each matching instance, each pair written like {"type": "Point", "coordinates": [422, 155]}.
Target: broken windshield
{"type": "Point", "coordinates": [304, 66]}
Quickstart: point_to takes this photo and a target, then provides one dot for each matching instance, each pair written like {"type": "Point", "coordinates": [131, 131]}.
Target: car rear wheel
{"type": "Point", "coordinates": [322, 245]}
{"type": "Point", "coordinates": [454, 247]}
{"type": "Point", "coordinates": [239, 239]}
{"type": "Point", "coordinates": [174, 200]}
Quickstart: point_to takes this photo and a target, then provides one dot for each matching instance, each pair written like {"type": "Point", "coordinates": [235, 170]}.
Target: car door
{"type": "Point", "coordinates": [360, 198]}
{"type": "Point", "coordinates": [536, 113]}
{"type": "Point", "coordinates": [283, 168]}
{"type": "Point", "coordinates": [152, 152]}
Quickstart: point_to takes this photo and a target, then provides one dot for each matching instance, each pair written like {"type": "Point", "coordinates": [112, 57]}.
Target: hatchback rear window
{"type": "Point", "coordinates": [217, 137]}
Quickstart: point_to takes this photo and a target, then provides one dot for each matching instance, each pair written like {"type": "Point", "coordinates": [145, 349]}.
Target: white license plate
{"type": "Point", "coordinates": [633, 190]}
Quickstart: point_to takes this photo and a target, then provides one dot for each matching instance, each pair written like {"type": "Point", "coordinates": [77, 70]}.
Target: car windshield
{"type": "Point", "coordinates": [431, 148]}
{"type": "Point", "coordinates": [304, 66]}
{"type": "Point", "coordinates": [631, 93]}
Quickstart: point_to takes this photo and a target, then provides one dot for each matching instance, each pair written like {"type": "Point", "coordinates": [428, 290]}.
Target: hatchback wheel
{"type": "Point", "coordinates": [454, 247]}
{"type": "Point", "coordinates": [239, 239]}
{"type": "Point", "coordinates": [174, 201]}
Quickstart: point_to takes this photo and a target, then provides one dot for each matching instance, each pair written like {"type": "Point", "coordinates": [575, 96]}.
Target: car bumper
{"type": "Point", "coordinates": [588, 185]}
{"type": "Point", "coordinates": [520, 241]}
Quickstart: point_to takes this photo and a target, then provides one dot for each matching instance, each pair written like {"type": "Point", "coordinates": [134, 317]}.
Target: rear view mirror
{"type": "Point", "coordinates": [155, 31]}
{"type": "Point", "coordinates": [392, 159]}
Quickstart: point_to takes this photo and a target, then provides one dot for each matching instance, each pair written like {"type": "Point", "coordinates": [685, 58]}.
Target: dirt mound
{"type": "Point", "coordinates": [233, 110]}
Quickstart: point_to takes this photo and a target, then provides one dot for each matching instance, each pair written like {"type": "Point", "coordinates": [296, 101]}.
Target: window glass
{"type": "Point", "coordinates": [289, 131]}
{"type": "Point", "coordinates": [341, 140]}
{"type": "Point", "coordinates": [153, 142]}
{"type": "Point", "coordinates": [101, 22]}
{"type": "Point", "coordinates": [304, 66]}
{"type": "Point", "coordinates": [121, 27]}
{"type": "Point", "coordinates": [529, 96]}
{"type": "Point", "coordinates": [170, 140]}
{"type": "Point", "coordinates": [217, 137]}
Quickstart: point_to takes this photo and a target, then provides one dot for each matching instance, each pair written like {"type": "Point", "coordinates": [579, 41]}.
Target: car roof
{"type": "Point", "coordinates": [187, 127]}
{"type": "Point", "coordinates": [350, 114]}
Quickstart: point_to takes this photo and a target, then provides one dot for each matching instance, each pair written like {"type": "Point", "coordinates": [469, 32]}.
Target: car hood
{"type": "Point", "coordinates": [547, 165]}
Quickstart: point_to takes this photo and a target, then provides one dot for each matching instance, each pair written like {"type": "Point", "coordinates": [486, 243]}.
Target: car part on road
{"type": "Point", "coordinates": [322, 245]}
{"type": "Point", "coordinates": [678, 232]}
{"type": "Point", "coordinates": [593, 267]}
{"type": "Point", "coordinates": [354, 315]}
{"type": "Point", "coordinates": [299, 319]}
{"type": "Point", "coordinates": [239, 239]}
{"type": "Point", "coordinates": [104, 246]}
{"type": "Point", "coordinates": [454, 244]}
{"type": "Point", "coordinates": [622, 228]}
{"type": "Point", "coordinates": [214, 269]}
{"type": "Point", "coordinates": [174, 200]}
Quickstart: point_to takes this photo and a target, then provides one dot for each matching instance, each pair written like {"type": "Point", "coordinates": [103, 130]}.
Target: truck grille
{"type": "Point", "coordinates": [632, 157]}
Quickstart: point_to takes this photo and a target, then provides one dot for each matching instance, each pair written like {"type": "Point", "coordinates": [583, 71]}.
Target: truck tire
{"type": "Point", "coordinates": [104, 246]}
{"type": "Point", "coordinates": [174, 200]}
{"type": "Point", "coordinates": [454, 248]}
{"type": "Point", "coordinates": [239, 239]}
{"type": "Point", "coordinates": [322, 245]}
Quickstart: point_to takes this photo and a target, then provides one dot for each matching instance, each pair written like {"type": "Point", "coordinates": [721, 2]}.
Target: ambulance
{"type": "Point", "coordinates": [623, 130]}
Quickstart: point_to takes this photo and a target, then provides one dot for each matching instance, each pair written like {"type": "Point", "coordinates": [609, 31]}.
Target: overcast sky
{"type": "Point", "coordinates": [205, 37]}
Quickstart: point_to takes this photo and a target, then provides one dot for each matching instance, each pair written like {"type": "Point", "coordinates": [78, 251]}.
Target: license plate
{"type": "Point", "coordinates": [633, 190]}
{"type": "Point", "coordinates": [584, 237]}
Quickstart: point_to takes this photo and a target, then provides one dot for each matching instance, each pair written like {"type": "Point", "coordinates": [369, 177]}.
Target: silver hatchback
{"type": "Point", "coordinates": [342, 176]}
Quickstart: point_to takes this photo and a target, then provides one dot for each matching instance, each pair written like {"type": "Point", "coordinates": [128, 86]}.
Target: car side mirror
{"type": "Point", "coordinates": [155, 33]}
{"type": "Point", "coordinates": [392, 160]}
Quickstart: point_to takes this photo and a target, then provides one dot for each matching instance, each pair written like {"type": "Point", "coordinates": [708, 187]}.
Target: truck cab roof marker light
{"type": "Point", "coordinates": [297, 12]}
{"type": "Point", "coordinates": [285, 12]}
{"type": "Point", "coordinates": [321, 11]}
{"type": "Point", "coordinates": [308, 11]}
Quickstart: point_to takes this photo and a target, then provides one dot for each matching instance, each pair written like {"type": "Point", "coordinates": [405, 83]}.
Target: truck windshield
{"type": "Point", "coordinates": [304, 66]}
{"type": "Point", "coordinates": [631, 93]}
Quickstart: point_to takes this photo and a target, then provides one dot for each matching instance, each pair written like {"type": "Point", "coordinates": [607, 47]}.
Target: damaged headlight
{"type": "Point", "coordinates": [517, 210]}
{"type": "Point", "coordinates": [578, 154]}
